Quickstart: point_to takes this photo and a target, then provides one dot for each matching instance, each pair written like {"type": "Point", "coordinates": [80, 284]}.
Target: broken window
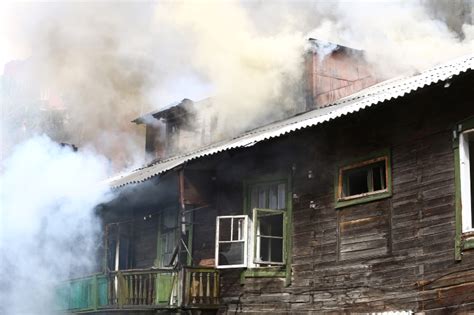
{"type": "Point", "coordinates": [466, 152]}
{"type": "Point", "coordinates": [118, 244]}
{"type": "Point", "coordinates": [168, 236]}
{"type": "Point", "coordinates": [364, 179]}
{"type": "Point", "coordinates": [231, 245]}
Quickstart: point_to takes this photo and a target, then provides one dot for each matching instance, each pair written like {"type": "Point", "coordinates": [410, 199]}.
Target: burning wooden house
{"type": "Point", "coordinates": [360, 204]}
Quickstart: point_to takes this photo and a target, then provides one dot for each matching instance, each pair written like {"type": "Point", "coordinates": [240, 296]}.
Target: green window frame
{"type": "Point", "coordinates": [366, 165]}
{"type": "Point", "coordinates": [464, 240]}
{"type": "Point", "coordinates": [257, 212]}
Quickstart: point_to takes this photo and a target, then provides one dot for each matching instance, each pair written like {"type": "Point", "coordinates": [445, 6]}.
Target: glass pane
{"type": "Point", "coordinates": [231, 253]}
{"type": "Point", "coordinates": [123, 254]}
{"type": "Point", "coordinates": [271, 249]}
{"type": "Point", "coordinates": [224, 229]}
{"type": "Point", "coordinates": [254, 198]}
{"type": "Point", "coordinates": [273, 197]}
{"type": "Point", "coordinates": [270, 224]}
{"type": "Point", "coordinates": [170, 218]}
{"type": "Point", "coordinates": [281, 196]}
{"type": "Point", "coordinates": [238, 232]}
{"type": "Point", "coordinates": [471, 170]}
{"type": "Point", "coordinates": [112, 250]}
{"type": "Point", "coordinates": [262, 197]}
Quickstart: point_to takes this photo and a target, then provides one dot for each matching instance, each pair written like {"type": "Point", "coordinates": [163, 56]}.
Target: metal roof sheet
{"type": "Point", "coordinates": [368, 97]}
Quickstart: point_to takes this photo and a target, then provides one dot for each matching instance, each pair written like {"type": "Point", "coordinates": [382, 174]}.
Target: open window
{"type": "Point", "coordinates": [118, 244]}
{"type": "Point", "coordinates": [269, 236]}
{"type": "Point", "coordinates": [364, 181]}
{"type": "Point", "coordinates": [466, 161]}
{"type": "Point", "coordinates": [231, 241]}
{"type": "Point", "coordinates": [464, 187]}
{"type": "Point", "coordinates": [268, 205]}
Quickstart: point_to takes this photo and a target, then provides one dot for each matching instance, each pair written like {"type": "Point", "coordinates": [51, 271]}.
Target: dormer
{"type": "Point", "coordinates": [177, 128]}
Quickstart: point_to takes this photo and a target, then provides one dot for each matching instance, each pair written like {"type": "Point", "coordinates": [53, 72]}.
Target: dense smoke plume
{"type": "Point", "coordinates": [110, 63]}
{"type": "Point", "coordinates": [48, 229]}
{"type": "Point", "coordinates": [85, 70]}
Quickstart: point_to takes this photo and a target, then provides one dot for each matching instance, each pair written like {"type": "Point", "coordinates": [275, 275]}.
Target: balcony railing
{"type": "Point", "coordinates": [201, 287]}
{"type": "Point", "coordinates": [142, 289]}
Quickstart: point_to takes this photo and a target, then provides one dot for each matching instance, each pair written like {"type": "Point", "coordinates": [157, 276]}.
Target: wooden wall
{"type": "Point", "coordinates": [392, 254]}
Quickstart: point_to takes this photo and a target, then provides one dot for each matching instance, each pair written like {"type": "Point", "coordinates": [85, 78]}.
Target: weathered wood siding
{"type": "Point", "coordinates": [392, 254]}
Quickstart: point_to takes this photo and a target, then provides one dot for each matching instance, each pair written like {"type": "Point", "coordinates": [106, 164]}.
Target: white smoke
{"type": "Point", "coordinates": [398, 37]}
{"type": "Point", "coordinates": [112, 62]}
{"type": "Point", "coordinates": [48, 229]}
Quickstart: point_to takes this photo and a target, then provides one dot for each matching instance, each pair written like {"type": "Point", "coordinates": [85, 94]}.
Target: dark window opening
{"type": "Point", "coordinates": [270, 229]}
{"type": "Point", "coordinates": [363, 179]}
{"type": "Point", "coordinates": [119, 252]}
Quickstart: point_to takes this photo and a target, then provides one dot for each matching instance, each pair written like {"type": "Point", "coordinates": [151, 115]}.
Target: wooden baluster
{"type": "Point", "coordinates": [140, 288]}
{"type": "Point", "coordinates": [129, 286]}
{"type": "Point", "coordinates": [142, 285]}
{"type": "Point", "coordinates": [216, 287]}
{"type": "Point", "coordinates": [193, 287]}
{"type": "Point", "coordinates": [128, 281]}
{"type": "Point", "coordinates": [208, 288]}
{"type": "Point", "coordinates": [148, 299]}
{"type": "Point", "coordinates": [130, 291]}
{"type": "Point", "coordinates": [133, 292]}
{"type": "Point", "coordinates": [201, 289]}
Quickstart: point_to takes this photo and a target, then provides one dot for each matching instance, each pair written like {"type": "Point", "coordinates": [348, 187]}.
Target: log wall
{"type": "Point", "coordinates": [392, 254]}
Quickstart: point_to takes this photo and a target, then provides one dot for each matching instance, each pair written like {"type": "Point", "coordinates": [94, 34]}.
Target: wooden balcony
{"type": "Point", "coordinates": [189, 288]}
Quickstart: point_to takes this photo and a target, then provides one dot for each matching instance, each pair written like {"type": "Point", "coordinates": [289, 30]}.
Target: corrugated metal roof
{"type": "Point", "coordinates": [384, 91]}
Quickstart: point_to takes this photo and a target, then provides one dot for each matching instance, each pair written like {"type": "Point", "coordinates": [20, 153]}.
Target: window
{"type": "Point", "coordinates": [268, 206]}
{"type": "Point", "coordinates": [269, 236]}
{"type": "Point", "coordinates": [167, 236]}
{"type": "Point", "coordinates": [466, 151]}
{"type": "Point", "coordinates": [364, 181]}
{"type": "Point", "coordinates": [231, 241]}
{"type": "Point", "coordinates": [118, 246]}
{"type": "Point", "coordinates": [264, 251]}
{"type": "Point", "coordinates": [463, 136]}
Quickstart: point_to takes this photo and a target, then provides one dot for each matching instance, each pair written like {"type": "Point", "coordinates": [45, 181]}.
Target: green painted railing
{"type": "Point", "coordinates": [141, 289]}
{"type": "Point", "coordinates": [83, 294]}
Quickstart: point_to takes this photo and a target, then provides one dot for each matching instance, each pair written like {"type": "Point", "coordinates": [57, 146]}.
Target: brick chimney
{"type": "Point", "coordinates": [334, 71]}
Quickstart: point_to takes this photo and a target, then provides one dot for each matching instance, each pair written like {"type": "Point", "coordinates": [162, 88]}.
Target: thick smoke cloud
{"type": "Point", "coordinates": [109, 63]}
{"type": "Point", "coordinates": [113, 62]}
{"type": "Point", "coordinates": [48, 229]}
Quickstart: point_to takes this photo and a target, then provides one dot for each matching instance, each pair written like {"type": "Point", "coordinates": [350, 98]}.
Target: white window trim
{"type": "Point", "coordinates": [464, 167]}
{"type": "Point", "coordinates": [245, 240]}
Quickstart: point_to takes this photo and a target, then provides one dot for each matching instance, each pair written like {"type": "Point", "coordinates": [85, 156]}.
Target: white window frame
{"type": "Point", "coordinates": [465, 172]}
{"type": "Point", "coordinates": [245, 240]}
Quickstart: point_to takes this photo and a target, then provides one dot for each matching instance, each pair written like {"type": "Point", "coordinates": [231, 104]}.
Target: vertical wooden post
{"type": "Point", "coordinates": [121, 294]}
{"type": "Point", "coordinates": [95, 293]}
{"type": "Point", "coordinates": [182, 214]}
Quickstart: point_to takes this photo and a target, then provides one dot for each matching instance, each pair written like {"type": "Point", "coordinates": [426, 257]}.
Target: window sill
{"type": "Point", "coordinates": [468, 241]}
{"type": "Point", "coordinates": [363, 199]}
{"type": "Point", "coordinates": [264, 272]}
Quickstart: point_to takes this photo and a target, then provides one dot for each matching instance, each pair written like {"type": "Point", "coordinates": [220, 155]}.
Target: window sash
{"type": "Point", "coordinates": [258, 237]}
{"type": "Point", "coordinates": [243, 240]}
{"type": "Point", "coordinates": [465, 172]}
